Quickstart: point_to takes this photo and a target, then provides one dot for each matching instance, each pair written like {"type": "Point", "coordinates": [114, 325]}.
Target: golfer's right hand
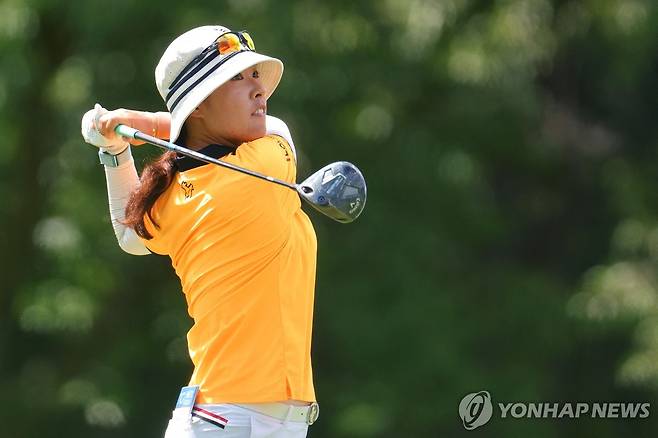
{"type": "Point", "coordinates": [153, 124]}
{"type": "Point", "coordinates": [140, 120]}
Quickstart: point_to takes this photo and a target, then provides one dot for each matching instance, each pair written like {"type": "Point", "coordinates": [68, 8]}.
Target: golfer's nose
{"type": "Point", "coordinates": [258, 88]}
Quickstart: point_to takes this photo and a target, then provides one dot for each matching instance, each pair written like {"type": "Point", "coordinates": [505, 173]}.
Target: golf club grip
{"type": "Point", "coordinates": [126, 131]}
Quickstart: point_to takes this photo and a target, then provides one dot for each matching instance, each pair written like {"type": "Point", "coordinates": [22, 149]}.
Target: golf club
{"type": "Point", "coordinates": [338, 190]}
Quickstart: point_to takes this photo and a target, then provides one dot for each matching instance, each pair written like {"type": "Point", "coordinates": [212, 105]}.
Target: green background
{"type": "Point", "coordinates": [509, 242]}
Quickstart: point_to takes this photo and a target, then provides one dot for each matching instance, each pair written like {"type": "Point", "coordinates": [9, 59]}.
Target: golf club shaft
{"type": "Point", "coordinates": [127, 131]}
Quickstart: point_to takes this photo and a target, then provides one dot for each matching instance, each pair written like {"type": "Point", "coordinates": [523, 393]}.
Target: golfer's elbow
{"type": "Point", "coordinates": [129, 242]}
{"type": "Point", "coordinates": [134, 249]}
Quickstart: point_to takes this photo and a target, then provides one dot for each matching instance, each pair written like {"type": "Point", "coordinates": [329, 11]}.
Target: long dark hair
{"type": "Point", "coordinates": [156, 178]}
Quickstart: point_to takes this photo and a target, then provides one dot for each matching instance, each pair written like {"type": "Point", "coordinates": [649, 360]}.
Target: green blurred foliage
{"type": "Point", "coordinates": [509, 243]}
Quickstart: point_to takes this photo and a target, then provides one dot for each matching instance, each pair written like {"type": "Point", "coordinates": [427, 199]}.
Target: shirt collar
{"type": "Point", "coordinates": [184, 163]}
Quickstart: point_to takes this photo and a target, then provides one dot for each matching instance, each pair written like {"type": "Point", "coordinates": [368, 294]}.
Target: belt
{"type": "Point", "coordinates": [299, 414]}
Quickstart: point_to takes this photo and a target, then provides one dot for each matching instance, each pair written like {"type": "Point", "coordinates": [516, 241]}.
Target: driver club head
{"type": "Point", "coordinates": [338, 190]}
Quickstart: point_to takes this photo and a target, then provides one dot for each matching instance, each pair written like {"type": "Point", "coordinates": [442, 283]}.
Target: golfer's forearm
{"type": "Point", "coordinates": [162, 125]}
{"type": "Point", "coordinates": [154, 124]}
{"type": "Point", "coordinates": [121, 181]}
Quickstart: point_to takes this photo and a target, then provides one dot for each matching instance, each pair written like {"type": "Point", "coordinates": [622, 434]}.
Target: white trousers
{"type": "Point", "coordinates": [241, 423]}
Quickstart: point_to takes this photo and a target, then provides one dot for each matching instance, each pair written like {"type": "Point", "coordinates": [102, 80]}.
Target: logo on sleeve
{"type": "Point", "coordinates": [285, 150]}
{"type": "Point", "coordinates": [188, 188]}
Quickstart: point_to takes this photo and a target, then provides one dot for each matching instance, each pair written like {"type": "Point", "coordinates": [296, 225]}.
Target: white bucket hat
{"type": "Point", "coordinates": [203, 75]}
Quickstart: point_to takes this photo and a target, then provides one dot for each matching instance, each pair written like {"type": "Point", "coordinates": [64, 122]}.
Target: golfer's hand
{"type": "Point", "coordinates": [153, 124]}
{"type": "Point", "coordinates": [109, 120]}
{"type": "Point", "coordinates": [92, 135]}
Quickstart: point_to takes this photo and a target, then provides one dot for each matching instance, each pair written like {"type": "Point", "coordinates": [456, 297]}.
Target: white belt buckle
{"type": "Point", "coordinates": [313, 413]}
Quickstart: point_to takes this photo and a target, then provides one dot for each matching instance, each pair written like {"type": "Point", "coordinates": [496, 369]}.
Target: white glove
{"type": "Point", "coordinates": [91, 135]}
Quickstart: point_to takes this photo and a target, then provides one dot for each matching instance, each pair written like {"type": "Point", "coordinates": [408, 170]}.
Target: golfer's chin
{"type": "Point", "coordinates": [257, 129]}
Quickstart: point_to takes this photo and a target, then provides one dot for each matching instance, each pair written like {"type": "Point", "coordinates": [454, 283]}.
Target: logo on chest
{"type": "Point", "coordinates": [188, 188]}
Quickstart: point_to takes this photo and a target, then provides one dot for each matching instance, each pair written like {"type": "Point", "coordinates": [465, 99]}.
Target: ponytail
{"type": "Point", "coordinates": [155, 179]}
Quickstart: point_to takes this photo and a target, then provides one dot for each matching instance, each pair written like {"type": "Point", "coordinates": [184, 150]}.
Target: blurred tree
{"type": "Point", "coordinates": [509, 241]}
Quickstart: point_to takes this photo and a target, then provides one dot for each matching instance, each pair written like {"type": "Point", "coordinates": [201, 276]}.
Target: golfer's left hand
{"type": "Point", "coordinates": [113, 143]}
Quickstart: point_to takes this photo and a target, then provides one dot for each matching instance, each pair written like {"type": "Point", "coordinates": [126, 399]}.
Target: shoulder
{"type": "Point", "coordinates": [278, 127]}
{"type": "Point", "coordinates": [270, 147]}
{"type": "Point", "coordinates": [270, 155]}
{"type": "Point", "coordinates": [269, 139]}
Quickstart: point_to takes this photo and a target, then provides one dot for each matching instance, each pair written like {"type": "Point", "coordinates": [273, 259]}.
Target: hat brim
{"type": "Point", "coordinates": [270, 71]}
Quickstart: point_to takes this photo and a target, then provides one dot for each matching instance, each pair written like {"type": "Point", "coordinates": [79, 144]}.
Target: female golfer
{"type": "Point", "coordinates": [244, 250]}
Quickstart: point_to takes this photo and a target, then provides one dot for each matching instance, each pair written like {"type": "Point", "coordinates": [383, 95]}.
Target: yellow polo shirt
{"type": "Point", "coordinates": [245, 253]}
